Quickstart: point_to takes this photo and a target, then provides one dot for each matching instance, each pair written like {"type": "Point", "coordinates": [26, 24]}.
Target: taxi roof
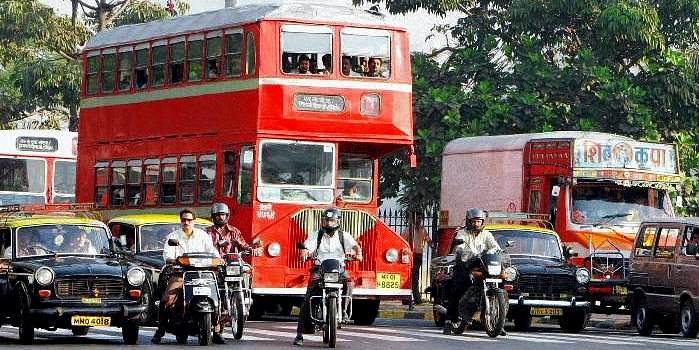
{"type": "Point", "coordinates": [143, 219]}
{"type": "Point", "coordinates": [14, 221]}
{"type": "Point", "coordinates": [491, 227]}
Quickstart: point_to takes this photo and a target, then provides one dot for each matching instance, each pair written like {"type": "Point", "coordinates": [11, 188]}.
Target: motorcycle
{"type": "Point", "coordinates": [196, 310]}
{"type": "Point", "coordinates": [486, 274]}
{"type": "Point", "coordinates": [236, 291]}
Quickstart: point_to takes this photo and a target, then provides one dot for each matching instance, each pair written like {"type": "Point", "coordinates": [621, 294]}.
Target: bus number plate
{"type": "Point", "coordinates": [387, 280]}
{"type": "Point", "coordinates": [90, 321]}
{"type": "Point", "coordinates": [546, 311]}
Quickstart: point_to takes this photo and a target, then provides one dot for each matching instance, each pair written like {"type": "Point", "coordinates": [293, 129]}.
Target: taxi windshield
{"type": "Point", "coordinates": [531, 243]}
{"type": "Point", "coordinates": [61, 239]}
{"type": "Point", "coordinates": [152, 237]}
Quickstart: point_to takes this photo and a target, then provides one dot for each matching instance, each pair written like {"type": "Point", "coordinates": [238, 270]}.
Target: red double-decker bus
{"type": "Point", "coordinates": [278, 110]}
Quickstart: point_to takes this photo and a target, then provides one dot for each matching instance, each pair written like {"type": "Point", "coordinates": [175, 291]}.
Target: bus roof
{"type": "Point", "coordinates": [232, 16]}
{"type": "Point", "coordinates": [39, 143]}
{"type": "Point", "coordinates": [479, 144]}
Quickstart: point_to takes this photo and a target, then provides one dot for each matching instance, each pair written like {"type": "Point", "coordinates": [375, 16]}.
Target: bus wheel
{"type": "Point", "coordinates": [364, 311]}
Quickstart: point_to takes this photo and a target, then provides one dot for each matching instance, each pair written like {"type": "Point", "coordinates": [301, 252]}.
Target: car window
{"type": "Point", "coordinates": [691, 236]}
{"type": "Point", "coordinates": [645, 240]}
{"type": "Point", "coordinates": [152, 237]}
{"type": "Point", "coordinates": [666, 242]}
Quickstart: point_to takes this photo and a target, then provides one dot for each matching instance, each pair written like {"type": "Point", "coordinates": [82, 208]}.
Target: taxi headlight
{"type": "Point", "coordinates": [274, 249]}
{"type": "Point", "coordinates": [510, 274]}
{"type": "Point", "coordinates": [331, 277]}
{"type": "Point", "coordinates": [44, 276]}
{"type": "Point", "coordinates": [136, 276]}
{"type": "Point", "coordinates": [582, 276]}
{"type": "Point", "coordinates": [392, 255]}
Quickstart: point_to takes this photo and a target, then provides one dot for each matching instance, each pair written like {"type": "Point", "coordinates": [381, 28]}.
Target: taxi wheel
{"type": "Point", "coordinates": [26, 324]}
{"type": "Point", "coordinates": [129, 332]}
{"type": "Point", "coordinates": [523, 321]}
{"type": "Point", "coordinates": [364, 312]}
{"type": "Point", "coordinates": [644, 321]}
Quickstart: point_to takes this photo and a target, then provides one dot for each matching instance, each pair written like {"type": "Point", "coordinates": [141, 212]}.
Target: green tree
{"type": "Point", "coordinates": [517, 66]}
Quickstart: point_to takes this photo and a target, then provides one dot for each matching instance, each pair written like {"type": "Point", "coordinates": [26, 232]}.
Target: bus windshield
{"type": "Point", "coordinates": [22, 181]}
{"type": "Point", "coordinates": [64, 181]}
{"type": "Point", "coordinates": [296, 172]}
{"type": "Point", "coordinates": [597, 203]}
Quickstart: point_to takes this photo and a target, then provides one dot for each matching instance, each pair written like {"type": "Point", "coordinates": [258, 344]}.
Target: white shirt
{"type": "Point", "coordinates": [475, 245]}
{"type": "Point", "coordinates": [198, 242]}
{"type": "Point", "coordinates": [330, 247]}
{"type": "Point", "coordinates": [8, 252]}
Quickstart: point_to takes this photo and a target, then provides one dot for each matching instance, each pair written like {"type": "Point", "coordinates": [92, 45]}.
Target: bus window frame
{"type": "Point", "coordinates": [250, 53]}
{"type": "Point", "coordinates": [197, 37]}
{"type": "Point", "coordinates": [226, 34]}
{"type": "Point", "coordinates": [97, 56]}
{"type": "Point", "coordinates": [137, 197]}
{"type": "Point", "coordinates": [166, 161]}
{"type": "Point", "coordinates": [205, 158]}
{"type": "Point", "coordinates": [182, 60]}
{"type": "Point", "coordinates": [189, 184]}
{"type": "Point", "coordinates": [370, 32]}
{"type": "Point", "coordinates": [44, 182]}
{"type": "Point", "coordinates": [219, 59]}
{"type": "Point", "coordinates": [53, 179]}
{"type": "Point", "coordinates": [304, 29]}
{"type": "Point", "coordinates": [150, 162]}
{"type": "Point", "coordinates": [157, 44]}
{"type": "Point", "coordinates": [146, 67]}
{"type": "Point", "coordinates": [132, 58]}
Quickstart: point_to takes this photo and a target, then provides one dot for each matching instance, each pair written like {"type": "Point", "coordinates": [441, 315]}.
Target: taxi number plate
{"type": "Point", "coordinates": [201, 291]}
{"type": "Point", "coordinates": [546, 311]}
{"type": "Point", "coordinates": [90, 321]}
{"type": "Point", "coordinates": [620, 290]}
{"type": "Point", "coordinates": [387, 280]}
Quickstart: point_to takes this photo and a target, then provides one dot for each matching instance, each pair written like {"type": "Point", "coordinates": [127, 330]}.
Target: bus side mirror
{"type": "Point", "coordinates": [555, 191]}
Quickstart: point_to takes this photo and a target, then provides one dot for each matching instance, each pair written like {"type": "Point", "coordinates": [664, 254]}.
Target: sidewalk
{"type": "Point", "coordinates": [396, 310]}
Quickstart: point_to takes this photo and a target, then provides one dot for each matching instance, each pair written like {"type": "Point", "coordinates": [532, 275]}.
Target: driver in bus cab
{"type": "Point", "coordinates": [326, 244]}
{"type": "Point", "coordinates": [191, 239]}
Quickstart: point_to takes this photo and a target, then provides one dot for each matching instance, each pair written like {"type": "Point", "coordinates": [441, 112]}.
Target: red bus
{"type": "Point", "coordinates": [37, 166]}
{"type": "Point", "coordinates": [219, 106]}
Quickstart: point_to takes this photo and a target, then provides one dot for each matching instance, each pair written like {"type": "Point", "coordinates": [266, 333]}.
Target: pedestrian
{"type": "Point", "coordinates": [417, 237]}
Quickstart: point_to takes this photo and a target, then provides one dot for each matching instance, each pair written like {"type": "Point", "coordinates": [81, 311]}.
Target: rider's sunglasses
{"type": "Point", "coordinates": [186, 220]}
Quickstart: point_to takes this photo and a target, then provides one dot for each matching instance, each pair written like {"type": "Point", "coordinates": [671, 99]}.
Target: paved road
{"type": "Point", "coordinates": [385, 334]}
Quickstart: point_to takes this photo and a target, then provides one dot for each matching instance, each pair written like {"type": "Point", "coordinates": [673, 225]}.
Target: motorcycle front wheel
{"type": "Point", "coordinates": [332, 322]}
{"type": "Point", "coordinates": [204, 329]}
{"type": "Point", "coordinates": [494, 319]}
{"type": "Point", "coordinates": [237, 315]}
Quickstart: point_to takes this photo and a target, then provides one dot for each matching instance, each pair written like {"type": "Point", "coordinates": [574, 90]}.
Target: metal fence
{"type": "Point", "coordinates": [397, 219]}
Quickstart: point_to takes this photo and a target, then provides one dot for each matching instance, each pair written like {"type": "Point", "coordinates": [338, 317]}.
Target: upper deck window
{"type": "Point", "coordinates": [250, 52]}
{"type": "Point", "coordinates": [141, 68]}
{"type": "Point", "coordinates": [158, 65]}
{"type": "Point", "coordinates": [368, 52]}
{"type": "Point", "coordinates": [92, 74]}
{"type": "Point", "coordinates": [177, 62]}
{"type": "Point", "coordinates": [108, 69]}
{"type": "Point", "coordinates": [234, 54]}
{"type": "Point", "coordinates": [213, 57]}
{"type": "Point", "coordinates": [296, 172]}
{"type": "Point", "coordinates": [124, 76]}
{"type": "Point", "coordinates": [195, 52]}
{"type": "Point", "coordinates": [303, 48]}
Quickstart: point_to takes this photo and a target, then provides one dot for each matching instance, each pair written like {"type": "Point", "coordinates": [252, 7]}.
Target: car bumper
{"type": "Point", "coordinates": [60, 316]}
{"type": "Point", "coordinates": [572, 303]}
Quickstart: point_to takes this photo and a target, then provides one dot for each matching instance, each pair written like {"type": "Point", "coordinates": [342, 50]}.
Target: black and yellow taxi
{"type": "Point", "coordinates": [59, 270]}
{"type": "Point", "coordinates": [540, 282]}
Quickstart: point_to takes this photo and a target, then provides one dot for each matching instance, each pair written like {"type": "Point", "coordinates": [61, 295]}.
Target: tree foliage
{"type": "Point", "coordinates": [517, 66]}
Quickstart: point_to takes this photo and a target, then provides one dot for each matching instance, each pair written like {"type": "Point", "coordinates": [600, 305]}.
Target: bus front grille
{"type": "Point", "coordinates": [359, 224]}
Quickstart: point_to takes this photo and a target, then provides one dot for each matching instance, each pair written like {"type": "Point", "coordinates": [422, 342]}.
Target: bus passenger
{"type": "Point", "coordinates": [213, 71]}
{"type": "Point", "coordinates": [141, 79]}
{"type": "Point", "coordinates": [374, 70]}
{"type": "Point", "coordinates": [347, 67]}
{"type": "Point", "coordinates": [327, 64]}
{"type": "Point", "coordinates": [363, 65]}
{"type": "Point", "coordinates": [313, 66]}
{"type": "Point", "coordinates": [304, 65]}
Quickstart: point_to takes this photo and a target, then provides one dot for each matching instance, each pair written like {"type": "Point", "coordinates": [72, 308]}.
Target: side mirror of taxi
{"type": "Point", "coordinates": [569, 252]}
{"type": "Point", "coordinates": [173, 242]}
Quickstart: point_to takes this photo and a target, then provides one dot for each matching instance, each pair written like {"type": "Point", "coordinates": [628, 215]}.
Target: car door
{"type": "Point", "coordinates": [686, 268]}
{"type": "Point", "coordinates": [662, 268]}
{"type": "Point", "coordinates": [5, 264]}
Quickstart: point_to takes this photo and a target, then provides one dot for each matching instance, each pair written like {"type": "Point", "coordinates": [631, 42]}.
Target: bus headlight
{"type": "Point", "coordinates": [44, 276]}
{"type": "Point", "coordinates": [510, 274]}
{"type": "Point", "coordinates": [582, 276]}
{"type": "Point", "coordinates": [136, 276]}
{"type": "Point", "coordinates": [392, 255]}
{"type": "Point", "coordinates": [274, 249]}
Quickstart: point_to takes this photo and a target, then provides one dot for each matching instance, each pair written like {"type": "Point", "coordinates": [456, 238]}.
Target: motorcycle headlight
{"type": "Point", "coordinates": [494, 270]}
{"type": "Point", "coordinates": [331, 277]}
{"type": "Point", "coordinates": [233, 270]}
{"type": "Point", "coordinates": [510, 274]}
{"type": "Point", "coordinates": [136, 276]}
{"type": "Point", "coordinates": [44, 276]}
{"type": "Point", "coordinates": [274, 249]}
{"type": "Point", "coordinates": [582, 276]}
{"type": "Point", "coordinates": [392, 255]}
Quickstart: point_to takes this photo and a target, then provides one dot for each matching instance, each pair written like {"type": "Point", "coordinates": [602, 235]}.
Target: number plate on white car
{"type": "Point", "coordinates": [201, 291]}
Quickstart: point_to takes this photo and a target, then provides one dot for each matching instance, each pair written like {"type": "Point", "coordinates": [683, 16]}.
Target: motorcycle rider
{"type": "Point", "coordinates": [325, 244]}
{"type": "Point", "coordinates": [471, 241]}
{"type": "Point", "coordinates": [191, 239]}
{"type": "Point", "coordinates": [225, 238]}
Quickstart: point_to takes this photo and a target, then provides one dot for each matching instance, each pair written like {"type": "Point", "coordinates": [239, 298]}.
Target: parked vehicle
{"type": "Point", "coordinates": [663, 277]}
{"type": "Point", "coordinates": [197, 310]}
{"type": "Point", "coordinates": [59, 271]}
{"type": "Point", "coordinates": [596, 187]}
{"type": "Point", "coordinates": [538, 279]}
{"type": "Point", "coordinates": [141, 238]}
{"type": "Point", "coordinates": [237, 292]}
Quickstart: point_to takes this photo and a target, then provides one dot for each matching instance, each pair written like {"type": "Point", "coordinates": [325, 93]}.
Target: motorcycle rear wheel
{"type": "Point", "coordinates": [494, 321]}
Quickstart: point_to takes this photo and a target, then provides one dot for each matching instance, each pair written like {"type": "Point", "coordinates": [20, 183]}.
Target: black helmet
{"type": "Point", "coordinates": [331, 213]}
{"type": "Point", "coordinates": [474, 213]}
{"type": "Point", "coordinates": [219, 208]}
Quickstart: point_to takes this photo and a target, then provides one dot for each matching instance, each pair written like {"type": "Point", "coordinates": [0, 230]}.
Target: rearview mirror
{"type": "Point", "coordinates": [300, 245]}
{"type": "Point", "coordinates": [691, 248]}
{"type": "Point", "coordinates": [555, 191]}
{"type": "Point", "coordinates": [458, 241]}
{"type": "Point", "coordinates": [569, 252]}
{"type": "Point", "coordinates": [173, 242]}
{"type": "Point", "coordinates": [122, 241]}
